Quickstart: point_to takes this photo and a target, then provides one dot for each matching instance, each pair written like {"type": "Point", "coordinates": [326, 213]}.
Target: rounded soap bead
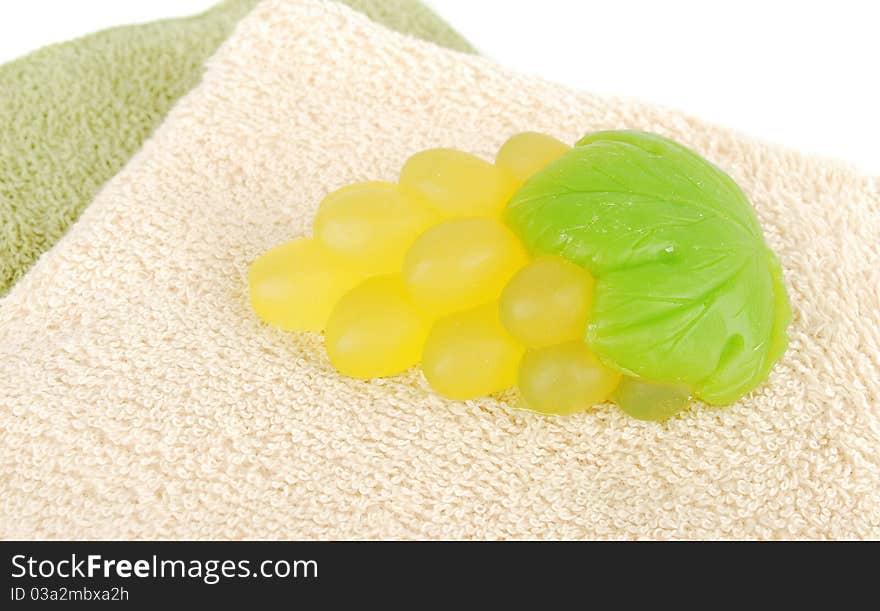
{"type": "Point", "coordinates": [470, 354]}
{"type": "Point", "coordinates": [294, 286]}
{"type": "Point", "coordinates": [564, 379]}
{"type": "Point", "coordinates": [526, 153]}
{"type": "Point", "coordinates": [547, 302]}
{"type": "Point", "coordinates": [457, 184]}
{"type": "Point", "coordinates": [372, 224]}
{"type": "Point", "coordinates": [461, 263]}
{"type": "Point", "coordinates": [650, 400]}
{"type": "Point", "coordinates": [376, 330]}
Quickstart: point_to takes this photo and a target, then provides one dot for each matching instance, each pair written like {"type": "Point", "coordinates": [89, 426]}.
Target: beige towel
{"type": "Point", "coordinates": [142, 398]}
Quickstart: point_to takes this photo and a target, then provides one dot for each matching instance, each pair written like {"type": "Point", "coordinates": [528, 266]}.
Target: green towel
{"type": "Point", "coordinates": [73, 113]}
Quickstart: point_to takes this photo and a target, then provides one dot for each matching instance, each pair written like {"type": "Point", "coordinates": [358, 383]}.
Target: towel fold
{"type": "Point", "coordinates": [74, 113]}
{"type": "Point", "coordinates": [142, 398]}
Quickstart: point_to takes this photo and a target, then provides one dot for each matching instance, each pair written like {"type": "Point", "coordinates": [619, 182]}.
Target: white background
{"type": "Point", "coordinates": [804, 74]}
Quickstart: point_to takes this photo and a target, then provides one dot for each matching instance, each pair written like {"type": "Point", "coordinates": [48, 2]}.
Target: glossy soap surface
{"type": "Point", "coordinates": [461, 263]}
{"type": "Point", "coordinates": [564, 379]}
{"type": "Point", "coordinates": [470, 354]}
{"type": "Point", "coordinates": [525, 154]}
{"type": "Point", "coordinates": [376, 330]}
{"type": "Point", "coordinates": [458, 184]}
{"type": "Point", "coordinates": [547, 302]}
{"type": "Point", "coordinates": [625, 269]}
{"type": "Point", "coordinates": [372, 224]}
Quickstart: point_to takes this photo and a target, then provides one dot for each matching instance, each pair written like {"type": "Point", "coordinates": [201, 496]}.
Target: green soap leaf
{"type": "Point", "coordinates": [686, 289]}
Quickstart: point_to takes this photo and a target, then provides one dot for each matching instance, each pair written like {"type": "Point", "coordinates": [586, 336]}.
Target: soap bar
{"type": "Point", "coordinates": [626, 269]}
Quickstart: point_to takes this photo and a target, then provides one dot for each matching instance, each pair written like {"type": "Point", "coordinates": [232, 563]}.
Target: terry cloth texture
{"type": "Point", "coordinates": [73, 114]}
{"type": "Point", "coordinates": [141, 397]}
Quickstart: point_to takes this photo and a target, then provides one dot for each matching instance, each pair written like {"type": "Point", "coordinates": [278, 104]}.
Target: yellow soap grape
{"type": "Point", "coordinates": [564, 379]}
{"type": "Point", "coordinates": [376, 330]}
{"type": "Point", "coordinates": [372, 224]}
{"type": "Point", "coordinates": [457, 184]}
{"type": "Point", "coordinates": [470, 354]}
{"type": "Point", "coordinates": [547, 302]}
{"type": "Point", "coordinates": [461, 263]}
{"type": "Point", "coordinates": [526, 153]}
{"type": "Point", "coordinates": [650, 400]}
{"type": "Point", "coordinates": [294, 286]}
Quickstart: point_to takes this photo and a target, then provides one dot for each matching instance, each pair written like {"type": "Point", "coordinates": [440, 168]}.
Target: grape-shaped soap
{"type": "Point", "coordinates": [564, 379]}
{"type": "Point", "coordinates": [294, 286]}
{"type": "Point", "coordinates": [547, 302]}
{"type": "Point", "coordinates": [457, 184]}
{"type": "Point", "coordinates": [626, 268]}
{"type": "Point", "coordinates": [372, 224]}
{"type": "Point", "coordinates": [376, 330]}
{"type": "Point", "coordinates": [470, 354]}
{"type": "Point", "coordinates": [461, 263]}
{"type": "Point", "coordinates": [526, 153]}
